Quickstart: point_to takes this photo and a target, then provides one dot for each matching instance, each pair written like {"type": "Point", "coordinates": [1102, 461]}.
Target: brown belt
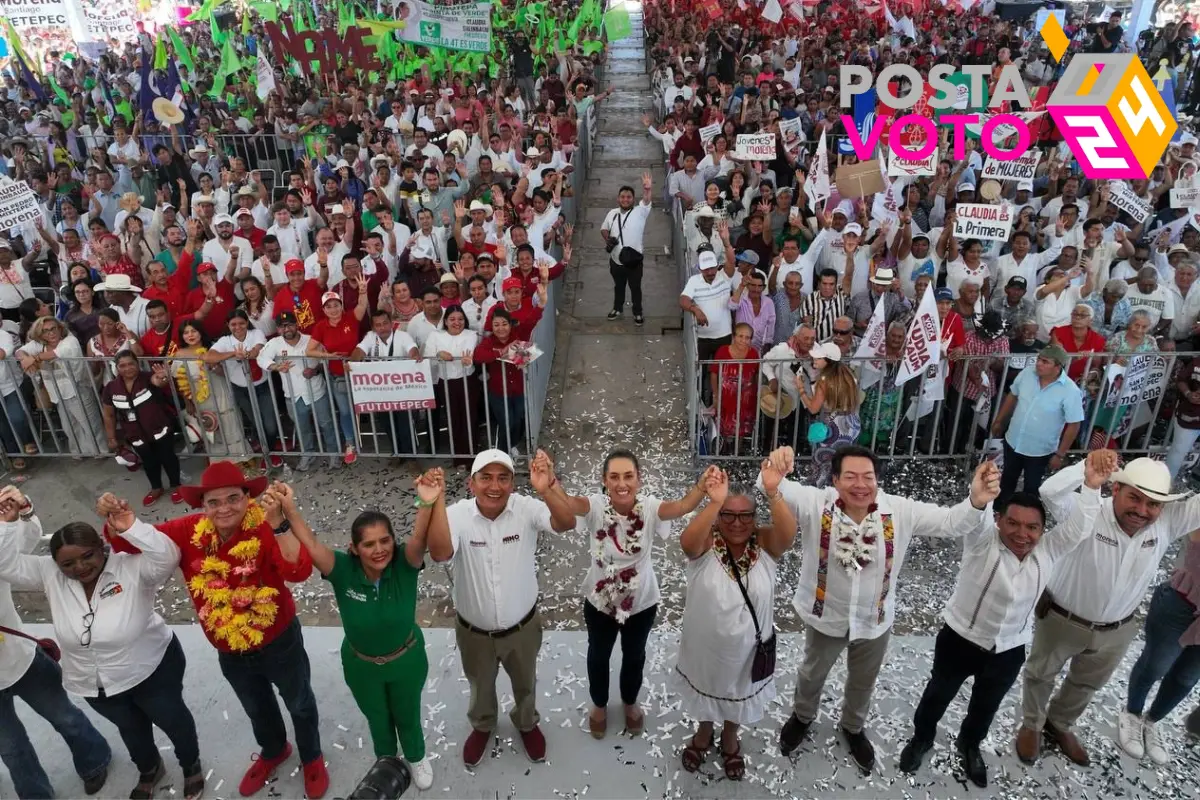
{"type": "Point", "coordinates": [1087, 623]}
{"type": "Point", "coordinates": [381, 660]}
{"type": "Point", "coordinates": [506, 631]}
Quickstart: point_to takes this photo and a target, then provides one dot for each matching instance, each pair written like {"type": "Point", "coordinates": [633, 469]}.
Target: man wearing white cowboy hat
{"type": "Point", "coordinates": [883, 288]}
{"type": "Point", "coordinates": [705, 231]}
{"type": "Point", "coordinates": [1085, 617]}
{"type": "Point", "coordinates": [125, 298]}
{"type": "Point", "coordinates": [204, 162]}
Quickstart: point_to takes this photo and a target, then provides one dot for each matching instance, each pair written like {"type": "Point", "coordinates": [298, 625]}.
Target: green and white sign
{"type": "Point", "coordinates": [462, 26]}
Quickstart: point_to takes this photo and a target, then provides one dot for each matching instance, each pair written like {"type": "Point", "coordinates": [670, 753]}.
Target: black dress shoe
{"type": "Point", "coordinates": [792, 734]}
{"type": "Point", "coordinates": [973, 764]}
{"type": "Point", "coordinates": [95, 783]}
{"type": "Point", "coordinates": [861, 750]}
{"type": "Point", "coordinates": [914, 753]}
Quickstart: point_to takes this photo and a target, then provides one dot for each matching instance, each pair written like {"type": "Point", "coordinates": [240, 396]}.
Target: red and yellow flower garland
{"type": "Point", "coordinates": [233, 613]}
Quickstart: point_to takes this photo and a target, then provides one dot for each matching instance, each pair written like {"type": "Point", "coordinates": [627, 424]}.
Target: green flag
{"type": "Point", "coordinates": [268, 11]}
{"type": "Point", "coordinates": [181, 50]}
{"type": "Point", "coordinates": [218, 35]}
{"type": "Point", "coordinates": [616, 24]}
{"type": "Point", "coordinates": [229, 59]}
{"type": "Point", "coordinates": [59, 92]}
{"type": "Point", "coordinates": [592, 46]}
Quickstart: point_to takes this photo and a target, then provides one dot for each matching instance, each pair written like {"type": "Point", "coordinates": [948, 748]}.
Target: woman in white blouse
{"type": "Point", "coordinates": [1057, 297]}
{"type": "Point", "coordinates": [456, 389]}
{"type": "Point", "coordinates": [117, 652]}
{"type": "Point", "coordinates": [259, 308]}
{"type": "Point", "coordinates": [55, 358]}
{"type": "Point", "coordinates": [244, 344]}
{"type": "Point", "coordinates": [480, 302]}
{"type": "Point", "coordinates": [621, 591]}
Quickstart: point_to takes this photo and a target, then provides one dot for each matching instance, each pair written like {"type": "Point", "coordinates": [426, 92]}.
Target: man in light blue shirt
{"type": "Point", "coordinates": [1048, 409]}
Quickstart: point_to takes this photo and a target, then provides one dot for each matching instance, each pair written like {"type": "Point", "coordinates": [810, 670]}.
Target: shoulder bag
{"type": "Point", "coordinates": [627, 257]}
{"type": "Point", "coordinates": [763, 665]}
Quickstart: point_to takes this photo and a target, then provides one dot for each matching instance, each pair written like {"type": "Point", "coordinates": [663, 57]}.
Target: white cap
{"type": "Point", "coordinates": [826, 350]}
{"type": "Point", "coordinates": [337, 208]}
{"type": "Point", "coordinates": [222, 219]}
{"type": "Point", "coordinates": [342, 163]}
{"type": "Point", "coordinates": [1188, 138]}
{"type": "Point", "coordinates": [243, 212]}
{"type": "Point", "coordinates": [707, 260]}
{"type": "Point", "coordinates": [205, 198]}
{"type": "Point", "coordinates": [845, 208]}
{"type": "Point", "coordinates": [852, 227]}
{"type": "Point", "coordinates": [421, 250]}
{"type": "Point", "coordinates": [965, 187]}
{"type": "Point", "coordinates": [489, 457]}
{"type": "Point", "coordinates": [706, 212]}
{"type": "Point", "coordinates": [1025, 186]}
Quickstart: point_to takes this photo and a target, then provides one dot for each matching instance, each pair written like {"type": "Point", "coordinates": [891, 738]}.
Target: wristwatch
{"type": "Point", "coordinates": [284, 527]}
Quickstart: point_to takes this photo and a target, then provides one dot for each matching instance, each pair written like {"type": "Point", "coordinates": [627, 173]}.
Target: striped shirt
{"type": "Point", "coordinates": [824, 310]}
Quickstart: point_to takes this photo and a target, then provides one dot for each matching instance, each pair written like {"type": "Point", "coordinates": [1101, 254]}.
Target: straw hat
{"type": "Point", "coordinates": [166, 112]}
{"type": "Point", "coordinates": [1150, 477]}
{"type": "Point", "coordinates": [776, 404]}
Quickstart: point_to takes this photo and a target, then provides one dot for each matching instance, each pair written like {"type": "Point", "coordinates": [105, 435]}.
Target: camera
{"type": "Point", "coordinates": [387, 779]}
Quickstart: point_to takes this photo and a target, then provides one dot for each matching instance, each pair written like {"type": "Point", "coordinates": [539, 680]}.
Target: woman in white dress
{"type": "Point", "coordinates": [728, 612]}
{"type": "Point", "coordinates": [209, 398]}
{"type": "Point", "coordinates": [452, 351]}
{"type": "Point", "coordinates": [621, 591]}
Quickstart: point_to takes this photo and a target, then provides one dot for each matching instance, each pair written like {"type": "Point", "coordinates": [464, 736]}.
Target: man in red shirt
{"type": "Point", "coordinates": [335, 338]}
{"type": "Point", "coordinates": [525, 315]}
{"type": "Point", "coordinates": [213, 301]}
{"type": "Point", "coordinates": [161, 339]}
{"type": "Point", "coordinates": [349, 286]}
{"type": "Point", "coordinates": [171, 288]}
{"type": "Point", "coordinates": [237, 558]}
{"type": "Point", "coordinates": [301, 297]}
{"type": "Point", "coordinates": [244, 227]}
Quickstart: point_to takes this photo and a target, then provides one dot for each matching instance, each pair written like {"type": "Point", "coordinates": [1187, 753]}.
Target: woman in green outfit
{"type": "Point", "coordinates": [383, 653]}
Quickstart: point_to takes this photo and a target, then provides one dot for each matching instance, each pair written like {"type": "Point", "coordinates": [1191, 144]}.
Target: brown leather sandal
{"type": "Point", "coordinates": [735, 764]}
{"type": "Point", "coordinates": [694, 755]}
{"type": "Point", "coordinates": [635, 720]}
{"type": "Point", "coordinates": [598, 726]}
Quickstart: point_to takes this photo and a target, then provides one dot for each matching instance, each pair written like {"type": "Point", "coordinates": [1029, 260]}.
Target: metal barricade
{"type": "Point", "coordinates": [1127, 403]}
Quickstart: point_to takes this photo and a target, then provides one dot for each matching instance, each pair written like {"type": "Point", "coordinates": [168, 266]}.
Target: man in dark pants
{"type": "Point", "coordinates": [1005, 568]}
{"type": "Point", "coordinates": [623, 230]}
{"type": "Point", "coordinates": [706, 298]}
{"type": "Point", "coordinates": [1046, 408]}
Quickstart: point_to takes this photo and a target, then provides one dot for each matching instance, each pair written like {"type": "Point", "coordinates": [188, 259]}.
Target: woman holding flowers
{"type": "Point", "coordinates": [621, 591]}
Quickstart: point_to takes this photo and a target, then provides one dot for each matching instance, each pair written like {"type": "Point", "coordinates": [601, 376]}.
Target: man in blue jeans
{"type": "Point", "coordinates": [304, 385]}
{"type": "Point", "coordinates": [28, 673]}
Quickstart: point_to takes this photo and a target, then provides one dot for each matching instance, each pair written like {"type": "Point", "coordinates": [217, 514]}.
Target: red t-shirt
{"type": "Point", "coordinates": [163, 345]}
{"type": "Point", "coordinates": [223, 305]}
{"type": "Point", "coordinates": [124, 266]}
{"type": "Point", "coordinates": [525, 319]}
{"type": "Point", "coordinates": [176, 293]}
{"type": "Point", "coordinates": [254, 236]}
{"type": "Point", "coordinates": [266, 570]}
{"type": "Point", "coordinates": [340, 339]}
{"type": "Point", "coordinates": [305, 304]}
{"type": "Point", "coordinates": [531, 279]}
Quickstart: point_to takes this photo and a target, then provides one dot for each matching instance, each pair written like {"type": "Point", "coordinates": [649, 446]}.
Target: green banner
{"type": "Point", "coordinates": [617, 25]}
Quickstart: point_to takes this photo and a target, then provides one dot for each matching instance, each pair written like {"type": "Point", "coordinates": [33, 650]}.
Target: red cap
{"type": "Point", "coordinates": [511, 283]}
{"type": "Point", "coordinates": [206, 266]}
{"type": "Point", "coordinates": [293, 265]}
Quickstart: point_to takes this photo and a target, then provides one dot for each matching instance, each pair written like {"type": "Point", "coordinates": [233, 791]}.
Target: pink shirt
{"type": "Point", "coordinates": [763, 324]}
{"type": "Point", "coordinates": [1186, 581]}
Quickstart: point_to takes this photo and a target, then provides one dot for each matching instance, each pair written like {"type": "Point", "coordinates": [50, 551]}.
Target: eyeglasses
{"type": "Point", "coordinates": [744, 517]}
{"type": "Point", "coordinates": [85, 638]}
{"type": "Point", "coordinates": [845, 332]}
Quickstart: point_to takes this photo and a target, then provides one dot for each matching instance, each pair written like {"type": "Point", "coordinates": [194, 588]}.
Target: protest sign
{"type": "Point", "coordinates": [1185, 198]}
{"type": "Point", "coordinates": [922, 347]}
{"type": "Point", "coordinates": [1122, 196]}
{"type": "Point", "coordinates": [713, 7]}
{"type": "Point", "coordinates": [93, 24]}
{"type": "Point", "coordinates": [859, 180]}
{"type": "Point", "coordinates": [18, 204]}
{"type": "Point", "coordinates": [35, 13]}
{"type": "Point", "coordinates": [1143, 381]}
{"type": "Point", "coordinates": [461, 26]}
{"type": "Point", "coordinates": [327, 50]}
{"type": "Point", "coordinates": [1022, 169]}
{"type": "Point", "coordinates": [392, 385]}
{"type": "Point", "coordinates": [755, 147]}
{"type": "Point", "coordinates": [873, 346]}
{"type": "Point", "coordinates": [772, 11]}
{"type": "Point", "coordinates": [709, 132]}
{"type": "Point", "coordinates": [264, 74]}
{"type": "Point", "coordinates": [982, 221]}
{"type": "Point", "coordinates": [905, 168]}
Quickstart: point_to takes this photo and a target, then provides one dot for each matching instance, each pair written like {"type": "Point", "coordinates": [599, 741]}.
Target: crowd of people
{"type": "Point", "coordinates": [785, 283]}
{"type": "Point", "coordinates": [244, 252]}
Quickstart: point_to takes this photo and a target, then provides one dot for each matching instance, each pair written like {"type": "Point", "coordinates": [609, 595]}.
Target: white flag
{"type": "Point", "coordinates": [922, 344]}
{"type": "Point", "coordinates": [266, 75]}
{"type": "Point", "coordinates": [873, 346]}
{"type": "Point", "coordinates": [817, 186]}
{"type": "Point", "coordinates": [772, 11]}
{"type": "Point", "coordinates": [891, 19]}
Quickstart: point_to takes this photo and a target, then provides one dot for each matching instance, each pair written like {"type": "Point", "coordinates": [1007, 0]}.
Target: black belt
{"type": "Point", "coordinates": [1087, 623]}
{"type": "Point", "coordinates": [497, 634]}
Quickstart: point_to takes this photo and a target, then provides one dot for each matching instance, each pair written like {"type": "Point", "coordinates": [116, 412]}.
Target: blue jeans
{"type": "Point", "coordinates": [508, 420]}
{"type": "Point", "coordinates": [157, 700]}
{"type": "Point", "coordinates": [266, 412]}
{"type": "Point", "coordinates": [42, 690]}
{"type": "Point", "coordinates": [14, 426]}
{"type": "Point", "coordinates": [282, 663]}
{"type": "Point", "coordinates": [304, 424]}
{"type": "Point", "coordinates": [340, 388]}
{"type": "Point", "coordinates": [1163, 657]}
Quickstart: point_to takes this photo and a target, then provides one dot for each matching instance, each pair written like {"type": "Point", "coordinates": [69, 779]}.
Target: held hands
{"type": "Point", "coordinates": [541, 472]}
{"type": "Point", "coordinates": [1099, 467]}
{"type": "Point", "coordinates": [116, 512]}
{"type": "Point", "coordinates": [11, 503]}
{"type": "Point", "coordinates": [431, 485]}
{"type": "Point", "coordinates": [985, 485]}
{"type": "Point", "coordinates": [775, 467]}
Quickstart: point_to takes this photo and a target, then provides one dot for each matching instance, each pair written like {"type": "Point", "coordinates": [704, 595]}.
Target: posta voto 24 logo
{"type": "Point", "coordinates": [1106, 107]}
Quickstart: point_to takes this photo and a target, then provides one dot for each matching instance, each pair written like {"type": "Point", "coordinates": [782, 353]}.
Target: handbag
{"type": "Point", "coordinates": [49, 646]}
{"type": "Point", "coordinates": [627, 257]}
{"type": "Point", "coordinates": [763, 665]}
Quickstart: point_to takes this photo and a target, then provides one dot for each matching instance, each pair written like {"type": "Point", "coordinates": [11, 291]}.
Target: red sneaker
{"type": "Point", "coordinates": [475, 747]}
{"type": "Point", "coordinates": [316, 778]}
{"type": "Point", "coordinates": [176, 496]}
{"type": "Point", "coordinates": [350, 456]}
{"type": "Point", "coordinates": [151, 497]}
{"type": "Point", "coordinates": [261, 769]}
{"type": "Point", "coordinates": [275, 461]}
{"type": "Point", "coordinates": [535, 744]}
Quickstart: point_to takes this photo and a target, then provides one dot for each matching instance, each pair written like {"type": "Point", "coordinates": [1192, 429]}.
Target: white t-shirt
{"type": "Point", "coordinates": [1158, 304]}
{"type": "Point", "coordinates": [227, 344]}
{"type": "Point", "coordinates": [634, 552]}
{"type": "Point", "coordinates": [713, 300]}
{"type": "Point", "coordinates": [399, 345]}
{"type": "Point", "coordinates": [293, 240]}
{"type": "Point", "coordinates": [957, 272]}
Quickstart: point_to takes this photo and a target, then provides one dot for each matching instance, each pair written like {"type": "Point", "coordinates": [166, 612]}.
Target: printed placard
{"type": "Point", "coordinates": [1185, 198]}
{"type": "Point", "coordinates": [1122, 196]}
{"type": "Point", "coordinates": [1022, 169]}
{"type": "Point", "coordinates": [18, 204]}
{"type": "Point", "coordinates": [982, 221]}
{"type": "Point", "coordinates": [709, 132]}
{"type": "Point", "coordinates": [391, 385]}
{"type": "Point", "coordinates": [755, 147]}
{"type": "Point", "coordinates": [1143, 381]}
{"type": "Point", "coordinates": [906, 168]}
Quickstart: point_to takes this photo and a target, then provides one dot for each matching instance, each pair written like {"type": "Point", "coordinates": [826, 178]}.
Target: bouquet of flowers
{"type": "Point", "coordinates": [520, 354]}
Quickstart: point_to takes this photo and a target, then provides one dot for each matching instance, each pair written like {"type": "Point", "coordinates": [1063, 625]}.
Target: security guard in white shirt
{"type": "Point", "coordinates": [492, 539]}
{"type": "Point", "coordinates": [1085, 615]}
{"type": "Point", "coordinates": [1005, 567]}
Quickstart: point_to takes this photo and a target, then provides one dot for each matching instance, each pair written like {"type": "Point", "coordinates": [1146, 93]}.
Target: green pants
{"type": "Point", "coordinates": [389, 696]}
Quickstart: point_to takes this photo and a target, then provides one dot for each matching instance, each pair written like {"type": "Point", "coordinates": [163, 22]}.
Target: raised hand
{"type": "Point", "coordinates": [431, 485]}
{"type": "Point", "coordinates": [717, 487]}
{"type": "Point", "coordinates": [541, 472]}
{"type": "Point", "coordinates": [116, 512]}
{"type": "Point", "coordinates": [985, 485]}
{"type": "Point", "coordinates": [1099, 467]}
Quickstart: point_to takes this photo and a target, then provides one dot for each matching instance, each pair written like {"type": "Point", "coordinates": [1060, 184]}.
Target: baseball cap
{"type": "Point", "coordinates": [1188, 138]}
{"type": "Point", "coordinates": [511, 283]}
{"type": "Point", "coordinates": [285, 318]}
{"type": "Point", "coordinates": [330, 297]}
{"type": "Point", "coordinates": [965, 187]}
{"type": "Point", "coordinates": [748, 257]}
{"type": "Point", "coordinates": [243, 212]}
{"type": "Point", "coordinates": [826, 350]}
{"type": "Point", "coordinates": [222, 219]}
{"type": "Point", "coordinates": [206, 266]}
{"type": "Point", "coordinates": [489, 457]}
{"type": "Point", "coordinates": [707, 260]}
{"type": "Point", "coordinates": [852, 227]}
{"type": "Point", "coordinates": [943, 294]}
{"type": "Point", "coordinates": [293, 265]}
{"type": "Point", "coordinates": [1017, 281]}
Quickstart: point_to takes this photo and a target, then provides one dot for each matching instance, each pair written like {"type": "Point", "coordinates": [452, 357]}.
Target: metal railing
{"type": "Point", "coordinates": [939, 415]}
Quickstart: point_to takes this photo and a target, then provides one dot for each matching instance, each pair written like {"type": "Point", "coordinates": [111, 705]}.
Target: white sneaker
{"type": "Point", "coordinates": [304, 464]}
{"type": "Point", "coordinates": [422, 773]}
{"type": "Point", "coordinates": [1129, 734]}
{"type": "Point", "coordinates": [1155, 747]}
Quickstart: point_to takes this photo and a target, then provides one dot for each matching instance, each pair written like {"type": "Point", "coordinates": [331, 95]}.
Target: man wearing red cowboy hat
{"type": "Point", "coordinates": [213, 300]}
{"type": "Point", "coordinates": [237, 557]}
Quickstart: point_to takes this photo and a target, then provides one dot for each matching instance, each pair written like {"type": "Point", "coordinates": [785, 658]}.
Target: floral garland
{"type": "Point", "coordinates": [232, 611]}
{"type": "Point", "coordinates": [185, 385]}
{"type": "Point", "coordinates": [745, 562]}
{"type": "Point", "coordinates": [854, 545]}
{"type": "Point", "coordinates": [613, 593]}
